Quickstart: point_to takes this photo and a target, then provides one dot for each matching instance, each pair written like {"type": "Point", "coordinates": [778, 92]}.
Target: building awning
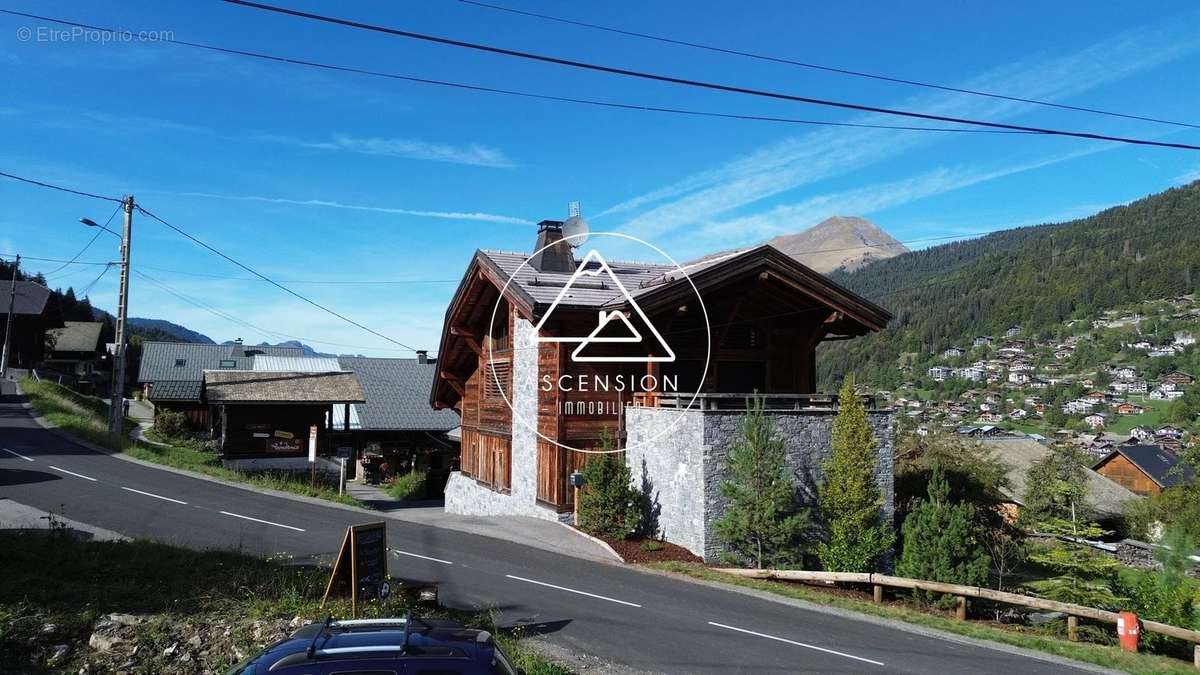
{"type": "Point", "coordinates": [257, 387]}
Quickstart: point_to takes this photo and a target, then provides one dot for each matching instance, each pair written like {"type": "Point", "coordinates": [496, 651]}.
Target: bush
{"type": "Point", "coordinates": [407, 486]}
{"type": "Point", "coordinates": [650, 545]}
{"type": "Point", "coordinates": [170, 424]}
{"type": "Point", "coordinates": [609, 505]}
{"type": "Point", "coordinates": [942, 542]}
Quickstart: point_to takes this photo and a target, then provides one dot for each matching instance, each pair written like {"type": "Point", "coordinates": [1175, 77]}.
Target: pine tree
{"type": "Point", "coordinates": [851, 504]}
{"type": "Point", "coordinates": [942, 541]}
{"type": "Point", "coordinates": [761, 523]}
{"type": "Point", "coordinates": [609, 505]}
{"type": "Point", "coordinates": [1081, 575]}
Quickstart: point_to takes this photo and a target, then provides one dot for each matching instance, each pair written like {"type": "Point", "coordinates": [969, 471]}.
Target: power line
{"type": "Point", "coordinates": [816, 66]}
{"type": "Point", "coordinates": [517, 93]}
{"type": "Point", "coordinates": [83, 250]}
{"type": "Point", "coordinates": [246, 324]}
{"type": "Point", "coordinates": [53, 260]}
{"type": "Point", "coordinates": [84, 291]}
{"type": "Point", "coordinates": [278, 285]}
{"type": "Point", "coordinates": [700, 84]}
{"type": "Point", "coordinates": [59, 187]}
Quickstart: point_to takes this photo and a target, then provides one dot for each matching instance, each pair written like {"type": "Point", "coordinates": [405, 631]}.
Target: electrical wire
{"type": "Point", "coordinates": [59, 187]}
{"type": "Point", "coordinates": [271, 281]}
{"type": "Point", "coordinates": [82, 293]}
{"type": "Point", "coordinates": [700, 84]}
{"type": "Point", "coordinates": [514, 92]}
{"type": "Point", "coordinates": [830, 69]}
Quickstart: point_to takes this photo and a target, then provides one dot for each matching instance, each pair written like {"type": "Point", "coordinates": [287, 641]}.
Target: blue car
{"type": "Point", "coordinates": [407, 646]}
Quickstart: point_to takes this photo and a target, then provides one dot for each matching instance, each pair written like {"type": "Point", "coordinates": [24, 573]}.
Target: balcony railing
{"type": "Point", "coordinates": [738, 401]}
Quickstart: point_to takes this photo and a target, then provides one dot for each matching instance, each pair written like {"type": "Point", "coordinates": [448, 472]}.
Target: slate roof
{"type": "Point", "coordinates": [30, 299]}
{"type": "Point", "coordinates": [248, 386]}
{"type": "Point", "coordinates": [176, 390]}
{"type": "Point", "coordinates": [296, 364]}
{"type": "Point", "coordinates": [158, 359]}
{"type": "Point", "coordinates": [544, 287]}
{"type": "Point", "coordinates": [75, 336]}
{"type": "Point", "coordinates": [1105, 496]}
{"type": "Point", "coordinates": [1161, 465]}
{"type": "Point", "coordinates": [397, 392]}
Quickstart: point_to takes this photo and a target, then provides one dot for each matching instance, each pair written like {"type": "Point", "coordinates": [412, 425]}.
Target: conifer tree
{"type": "Point", "coordinates": [851, 504]}
{"type": "Point", "coordinates": [609, 505]}
{"type": "Point", "coordinates": [942, 541]}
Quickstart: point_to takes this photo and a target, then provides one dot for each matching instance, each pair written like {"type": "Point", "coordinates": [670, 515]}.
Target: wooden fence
{"type": "Point", "coordinates": [879, 581]}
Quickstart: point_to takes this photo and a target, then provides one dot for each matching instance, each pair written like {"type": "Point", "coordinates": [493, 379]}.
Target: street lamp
{"type": "Point", "coordinates": [116, 407]}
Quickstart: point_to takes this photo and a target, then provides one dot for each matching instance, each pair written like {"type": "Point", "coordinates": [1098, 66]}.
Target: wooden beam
{"type": "Point", "coordinates": [453, 380]}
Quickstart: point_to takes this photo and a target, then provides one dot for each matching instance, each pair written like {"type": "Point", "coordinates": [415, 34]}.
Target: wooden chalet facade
{"type": "Point", "coordinates": [762, 317]}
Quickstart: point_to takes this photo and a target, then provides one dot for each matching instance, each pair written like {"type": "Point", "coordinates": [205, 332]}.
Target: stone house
{"type": "Point", "coordinates": [515, 362]}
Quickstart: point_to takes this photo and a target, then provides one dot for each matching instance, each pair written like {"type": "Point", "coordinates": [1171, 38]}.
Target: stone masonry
{"type": "Point", "coordinates": [684, 468]}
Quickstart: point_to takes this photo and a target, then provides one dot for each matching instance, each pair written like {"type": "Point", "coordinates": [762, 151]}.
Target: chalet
{"type": "Point", "coordinates": [1125, 372]}
{"type": "Point", "coordinates": [1184, 338]}
{"type": "Point", "coordinates": [1142, 433]}
{"type": "Point", "coordinates": [1130, 409]}
{"type": "Point", "coordinates": [172, 373]}
{"type": "Point", "coordinates": [1064, 353]}
{"type": "Point", "coordinates": [1012, 331]}
{"type": "Point", "coordinates": [952, 353]}
{"type": "Point", "coordinates": [1096, 396]}
{"type": "Point", "coordinates": [511, 363]}
{"type": "Point", "coordinates": [938, 373]}
{"type": "Point", "coordinates": [29, 322]}
{"type": "Point", "coordinates": [1017, 377]}
{"type": "Point", "coordinates": [1168, 431]}
{"type": "Point", "coordinates": [1096, 420]}
{"type": "Point", "coordinates": [73, 351]}
{"type": "Point", "coordinates": [1137, 387]}
{"type": "Point", "coordinates": [992, 417]}
{"type": "Point", "coordinates": [1079, 405]}
{"type": "Point", "coordinates": [1178, 379]}
{"type": "Point", "coordinates": [1145, 469]}
{"type": "Point", "coordinates": [982, 341]}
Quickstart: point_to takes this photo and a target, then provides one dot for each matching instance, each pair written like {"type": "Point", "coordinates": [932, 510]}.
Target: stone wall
{"type": "Point", "coordinates": [684, 467]}
{"type": "Point", "coordinates": [670, 470]}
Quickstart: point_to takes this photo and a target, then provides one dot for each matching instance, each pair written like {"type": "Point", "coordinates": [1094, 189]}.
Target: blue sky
{"type": "Point", "coordinates": [311, 175]}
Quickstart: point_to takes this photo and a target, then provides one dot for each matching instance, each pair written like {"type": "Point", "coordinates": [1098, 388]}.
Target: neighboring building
{"type": "Point", "coordinates": [1125, 372]}
{"type": "Point", "coordinates": [1012, 331]}
{"type": "Point", "coordinates": [938, 373]}
{"type": "Point", "coordinates": [1145, 469]}
{"type": "Point", "coordinates": [1105, 498]}
{"type": "Point", "coordinates": [1178, 379]}
{"type": "Point", "coordinates": [1142, 433]}
{"type": "Point", "coordinates": [1096, 420]}
{"type": "Point", "coordinates": [982, 341]}
{"type": "Point", "coordinates": [172, 373]}
{"type": "Point", "coordinates": [952, 353]}
{"type": "Point", "coordinates": [73, 350]}
{"type": "Point", "coordinates": [27, 347]}
{"type": "Point", "coordinates": [514, 427]}
{"type": "Point", "coordinates": [1130, 409]}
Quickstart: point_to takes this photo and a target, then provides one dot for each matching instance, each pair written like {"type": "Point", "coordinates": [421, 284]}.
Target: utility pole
{"type": "Point", "coordinates": [116, 407]}
{"type": "Point", "coordinates": [12, 300]}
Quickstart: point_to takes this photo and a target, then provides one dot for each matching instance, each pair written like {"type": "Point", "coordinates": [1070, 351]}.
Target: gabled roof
{"type": "Point", "coordinates": [74, 336]}
{"type": "Point", "coordinates": [248, 386]}
{"type": "Point", "coordinates": [1159, 464]}
{"type": "Point", "coordinates": [296, 364]}
{"type": "Point", "coordinates": [176, 390]}
{"type": "Point", "coordinates": [1104, 496]}
{"type": "Point", "coordinates": [31, 297]}
{"type": "Point", "coordinates": [159, 359]}
{"type": "Point", "coordinates": [397, 392]}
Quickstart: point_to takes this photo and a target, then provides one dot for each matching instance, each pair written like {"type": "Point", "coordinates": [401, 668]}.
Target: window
{"type": "Point", "coordinates": [228, 363]}
{"type": "Point", "coordinates": [179, 363]}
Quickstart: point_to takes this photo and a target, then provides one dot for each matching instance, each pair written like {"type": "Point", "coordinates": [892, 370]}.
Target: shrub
{"type": "Point", "coordinates": [650, 545]}
{"type": "Point", "coordinates": [170, 424]}
{"type": "Point", "coordinates": [609, 505]}
{"type": "Point", "coordinates": [407, 486]}
{"type": "Point", "coordinates": [850, 501]}
{"type": "Point", "coordinates": [761, 523]}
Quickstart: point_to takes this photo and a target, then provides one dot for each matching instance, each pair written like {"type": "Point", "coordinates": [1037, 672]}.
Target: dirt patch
{"type": "Point", "coordinates": [649, 550]}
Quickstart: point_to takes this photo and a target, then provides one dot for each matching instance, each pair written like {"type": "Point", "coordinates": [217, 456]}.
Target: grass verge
{"type": "Point", "coordinates": [84, 417]}
{"type": "Point", "coordinates": [68, 603]}
{"type": "Point", "coordinates": [1017, 636]}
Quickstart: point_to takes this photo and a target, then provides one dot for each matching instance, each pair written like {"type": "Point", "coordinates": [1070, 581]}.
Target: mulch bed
{"type": "Point", "coordinates": [631, 551]}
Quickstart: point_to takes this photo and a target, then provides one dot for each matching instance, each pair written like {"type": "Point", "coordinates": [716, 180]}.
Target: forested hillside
{"type": "Point", "coordinates": [1036, 277]}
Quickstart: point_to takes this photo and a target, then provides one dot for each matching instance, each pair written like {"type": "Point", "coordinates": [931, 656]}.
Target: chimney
{"type": "Point", "coordinates": [553, 254]}
{"type": "Point", "coordinates": [422, 356]}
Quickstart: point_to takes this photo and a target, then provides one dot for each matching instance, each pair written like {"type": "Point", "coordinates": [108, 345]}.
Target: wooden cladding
{"type": "Point", "coordinates": [487, 459]}
{"type": "Point", "coordinates": [498, 383]}
{"type": "Point", "coordinates": [554, 465]}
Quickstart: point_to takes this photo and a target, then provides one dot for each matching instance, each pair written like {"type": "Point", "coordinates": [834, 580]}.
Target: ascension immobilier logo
{"type": "Point", "coordinates": [614, 354]}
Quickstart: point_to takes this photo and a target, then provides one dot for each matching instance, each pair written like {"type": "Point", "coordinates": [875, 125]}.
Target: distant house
{"type": "Point", "coordinates": [73, 348]}
{"type": "Point", "coordinates": [1012, 331]}
{"type": "Point", "coordinates": [29, 323]}
{"type": "Point", "coordinates": [952, 353]}
{"type": "Point", "coordinates": [982, 341]}
{"type": "Point", "coordinates": [1168, 431]}
{"type": "Point", "coordinates": [972, 373]}
{"type": "Point", "coordinates": [1137, 387]}
{"type": "Point", "coordinates": [1184, 338]}
{"type": "Point", "coordinates": [1142, 433]}
{"type": "Point", "coordinates": [1125, 372]}
{"type": "Point", "coordinates": [1019, 414]}
{"type": "Point", "coordinates": [1178, 379]}
{"type": "Point", "coordinates": [1039, 383]}
{"type": "Point", "coordinates": [992, 417]}
{"type": "Point", "coordinates": [938, 373]}
{"type": "Point", "coordinates": [1130, 409]}
{"type": "Point", "coordinates": [1145, 469]}
{"type": "Point", "coordinates": [1104, 497]}
{"type": "Point", "coordinates": [1017, 377]}
{"type": "Point", "coordinates": [1096, 420]}
{"type": "Point", "coordinates": [1097, 396]}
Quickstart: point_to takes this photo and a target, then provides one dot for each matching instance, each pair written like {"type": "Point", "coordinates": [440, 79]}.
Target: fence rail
{"type": "Point", "coordinates": [879, 581]}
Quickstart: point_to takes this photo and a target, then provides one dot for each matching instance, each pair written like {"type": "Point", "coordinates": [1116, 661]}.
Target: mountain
{"type": "Point", "coordinates": [1036, 277]}
{"type": "Point", "coordinates": [308, 351]}
{"type": "Point", "coordinates": [180, 333]}
{"type": "Point", "coordinates": [840, 242]}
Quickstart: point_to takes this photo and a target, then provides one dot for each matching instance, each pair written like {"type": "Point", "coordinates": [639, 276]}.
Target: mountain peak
{"type": "Point", "coordinates": [847, 242]}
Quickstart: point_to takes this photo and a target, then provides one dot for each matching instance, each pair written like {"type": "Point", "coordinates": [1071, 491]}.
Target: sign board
{"type": "Point", "coordinates": [361, 566]}
{"type": "Point", "coordinates": [345, 451]}
{"type": "Point", "coordinates": [284, 445]}
{"type": "Point", "coordinates": [312, 444]}
{"type": "Point", "coordinates": [279, 433]}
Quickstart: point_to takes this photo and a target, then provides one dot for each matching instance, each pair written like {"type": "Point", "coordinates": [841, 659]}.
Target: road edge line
{"type": "Point", "coordinates": [882, 621]}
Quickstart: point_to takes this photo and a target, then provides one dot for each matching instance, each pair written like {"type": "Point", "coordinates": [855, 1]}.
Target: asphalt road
{"type": "Point", "coordinates": [644, 621]}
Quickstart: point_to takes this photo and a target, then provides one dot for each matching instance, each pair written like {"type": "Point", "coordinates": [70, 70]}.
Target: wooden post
{"type": "Point", "coordinates": [576, 505]}
{"type": "Point", "coordinates": [1196, 655]}
{"type": "Point", "coordinates": [1073, 628]}
{"type": "Point", "coordinates": [878, 594]}
{"type": "Point", "coordinates": [961, 612]}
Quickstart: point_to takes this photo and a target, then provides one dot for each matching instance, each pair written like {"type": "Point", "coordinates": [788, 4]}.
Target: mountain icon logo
{"type": "Point", "coordinates": [594, 265]}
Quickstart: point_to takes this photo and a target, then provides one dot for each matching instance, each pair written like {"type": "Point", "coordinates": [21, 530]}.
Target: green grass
{"type": "Point", "coordinates": [1155, 410]}
{"type": "Point", "coordinates": [1018, 636]}
{"type": "Point", "coordinates": [55, 578]}
{"type": "Point", "coordinates": [407, 486]}
{"type": "Point", "coordinates": [84, 416]}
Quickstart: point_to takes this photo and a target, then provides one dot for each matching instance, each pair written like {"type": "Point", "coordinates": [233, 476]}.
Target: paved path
{"type": "Point", "coordinates": [645, 621]}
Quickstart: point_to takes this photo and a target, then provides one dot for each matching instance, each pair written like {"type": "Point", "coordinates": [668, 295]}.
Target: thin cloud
{"type": "Point", "coordinates": [804, 159]}
{"type": "Point", "coordinates": [406, 148]}
{"type": "Point", "coordinates": [447, 215]}
{"type": "Point", "coordinates": [1185, 178]}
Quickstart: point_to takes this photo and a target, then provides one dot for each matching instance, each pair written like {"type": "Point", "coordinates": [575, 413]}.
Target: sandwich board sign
{"type": "Point", "coordinates": [361, 566]}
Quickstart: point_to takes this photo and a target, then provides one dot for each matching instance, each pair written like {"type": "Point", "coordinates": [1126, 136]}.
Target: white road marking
{"type": "Point", "coordinates": [257, 520]}
{"type": "Point", "coordinates": [793, 642]}
{"type": "Point", "coordinates": [151, 494]}
{"type": "Point", "coordinates": [17, 454]}
{"type": "Point", "coordinates": [77, 475]}
{"type": "Point", "coordinates": [422, 557]}
{"type": "Point", "coordinates": [572, 590]}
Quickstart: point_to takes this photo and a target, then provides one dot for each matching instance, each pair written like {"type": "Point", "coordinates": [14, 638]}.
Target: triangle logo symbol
{"type": "Point", "coordinates": [604, 272]}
